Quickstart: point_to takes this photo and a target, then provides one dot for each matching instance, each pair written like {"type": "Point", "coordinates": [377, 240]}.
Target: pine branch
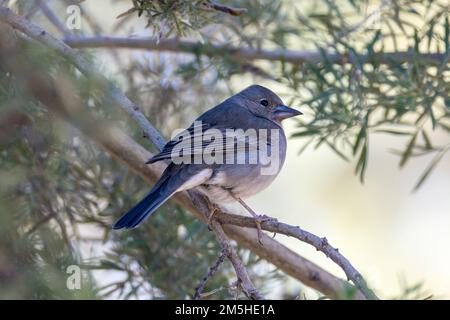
{"type": "Point", "coordinates": [245, 53]}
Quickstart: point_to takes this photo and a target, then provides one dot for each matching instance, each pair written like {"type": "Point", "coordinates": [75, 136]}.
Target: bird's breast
{"type": "Point", "coordinates": [246, 179]}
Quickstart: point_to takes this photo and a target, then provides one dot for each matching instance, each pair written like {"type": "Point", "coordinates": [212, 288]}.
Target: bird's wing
{"type": "Point", "coordinates": [200, 136]}
{"type": "Point", "coordinates": [175, 178]}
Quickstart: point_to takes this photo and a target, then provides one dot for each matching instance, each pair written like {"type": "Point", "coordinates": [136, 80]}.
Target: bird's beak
{"type": "Point", "coordinates": [282, 112]}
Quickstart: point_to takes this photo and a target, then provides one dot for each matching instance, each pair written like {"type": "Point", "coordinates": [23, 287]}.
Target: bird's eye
{"type": "Point", "coordinates": [264, 102]}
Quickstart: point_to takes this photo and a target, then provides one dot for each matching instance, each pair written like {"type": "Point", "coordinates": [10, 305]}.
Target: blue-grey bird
{"type": "Point", "coordinates": [255, 108]}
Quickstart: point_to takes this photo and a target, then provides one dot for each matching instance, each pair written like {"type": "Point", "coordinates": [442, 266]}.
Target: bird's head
{"type": "Point", "coordinates": [263, 102]}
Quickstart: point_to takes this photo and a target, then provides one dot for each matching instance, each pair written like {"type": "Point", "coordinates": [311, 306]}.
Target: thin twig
{"type": "Point", "coordinates": [244, 53]}
{"type": "Point", "coordinates": [95, 27]}
{"type": "Point", "coordinates": [241, 272]}
{"type": "Point", "coordinates": [365, 20]}
{"type": "Point", "coordinates": [52, 17]}
{"type": "Point", "coordinates": [41, 222]}
{"type": "Point", "coordinates": [211, 271]}
{"type": "Point", "coordinates": [209, 5]}
{"type": "Point", "coordinates": [91, 22]}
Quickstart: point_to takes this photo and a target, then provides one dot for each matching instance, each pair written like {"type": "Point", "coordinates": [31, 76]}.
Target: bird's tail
{"type": "Point", "coordinates": [157, 196]}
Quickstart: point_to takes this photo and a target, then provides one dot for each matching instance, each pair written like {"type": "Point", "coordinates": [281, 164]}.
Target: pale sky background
{"type": "Point", "coordinates": [384, 229]}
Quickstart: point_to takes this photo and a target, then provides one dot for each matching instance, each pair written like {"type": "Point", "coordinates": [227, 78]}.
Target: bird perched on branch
{"type": "Point", "coordinates": [231, 152]}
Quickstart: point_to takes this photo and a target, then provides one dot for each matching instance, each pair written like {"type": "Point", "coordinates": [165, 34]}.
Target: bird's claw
{"type": "Point", "coordinates": [260, 219]}
{"type": "Point", "coordinates": [213, 210]}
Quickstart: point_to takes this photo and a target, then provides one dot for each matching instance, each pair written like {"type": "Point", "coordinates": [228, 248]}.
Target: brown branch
{"type": "Point", "coordinates": [208, 5]}
{"type": "Point", "coordinates": [211, 271]}
{"type": "Point", "coordinates": [321, 244]}
{"type": "Point", "coordinates": [241, 272]}
{"type": "Point", "coordinates": [244, 53]}
{"type": "Point", "coordinates": [132, 154]}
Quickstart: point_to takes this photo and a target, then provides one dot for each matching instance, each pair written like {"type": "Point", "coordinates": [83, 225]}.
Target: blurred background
{"type": "Point", "coordinates": [366, 166]}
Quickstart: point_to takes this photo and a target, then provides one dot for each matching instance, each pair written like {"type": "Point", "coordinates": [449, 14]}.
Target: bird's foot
{"type": "Point", "coordinates": [213, 209]}
{"type": "Point", "coordinates": [260, 219]}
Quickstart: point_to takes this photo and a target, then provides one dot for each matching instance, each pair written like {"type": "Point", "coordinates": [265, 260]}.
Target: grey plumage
{"type": "Point", "coordinates": [257, 108]}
